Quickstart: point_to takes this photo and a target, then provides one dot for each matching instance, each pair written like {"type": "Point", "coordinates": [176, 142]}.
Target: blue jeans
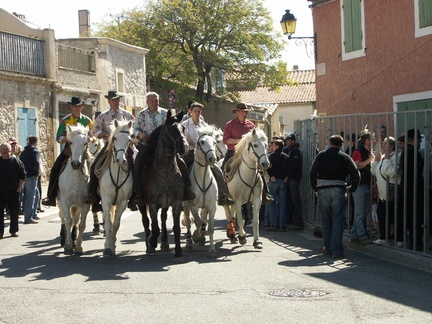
{"type": "Point", "coordinates": [278, 208]}
{"type": "Point", "coordinates": [331, 207]}
{"type": "Point", "coordinates": [30, 186]}
{"type": "Point", "coordinates": [362, 210]}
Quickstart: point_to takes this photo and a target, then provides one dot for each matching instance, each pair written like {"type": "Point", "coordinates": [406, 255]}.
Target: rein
{"type": "Point", "coordinates": [252, 187]}
{"type": "Point", "coordinates": [201, 188]}
{"type": "Point", "coordinates": [127, 170]}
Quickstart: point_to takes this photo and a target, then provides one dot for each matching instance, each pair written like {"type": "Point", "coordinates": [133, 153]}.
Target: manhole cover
{"type": "Point", "coordinates": [297, 293]}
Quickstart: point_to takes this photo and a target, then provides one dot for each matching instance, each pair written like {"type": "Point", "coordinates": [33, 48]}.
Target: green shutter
{"type": "Point", "coordinates": [425, 13]}
{"type": "Point", "coordinates": [413, 119]}
{"type": "Point", "coordinates": [352, 25]}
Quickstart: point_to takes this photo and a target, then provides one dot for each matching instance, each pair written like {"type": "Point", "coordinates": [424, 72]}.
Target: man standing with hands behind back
{"type": "Point", "coordinates": [328, 177]}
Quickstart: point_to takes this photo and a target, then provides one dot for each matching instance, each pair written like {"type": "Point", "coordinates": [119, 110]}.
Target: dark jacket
{"type": "Point", "coordinates": [279, 165]}
{"type": "Point", "coordinates": [30, 157]}
{"type": "Point", "coordinates": [295, 163]}
{"type": "Point", "coordinates": [334, 167]}
{"type": "Point", "coordinates": [365, 173]}
{"type": "Point", "coordinates": [11, 172]}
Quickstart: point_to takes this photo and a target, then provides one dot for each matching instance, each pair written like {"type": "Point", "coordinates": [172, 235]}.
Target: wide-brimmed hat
{"type": "Point", "coordinates": [112, 94]}
{"type": "Point", "coordinates": [241, 106]}
{"type": "Point", "coordinates": [75, 101]}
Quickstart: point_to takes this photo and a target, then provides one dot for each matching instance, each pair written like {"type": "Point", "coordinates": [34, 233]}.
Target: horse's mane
{"type": "Point", "coordinates": [241, 146]}
{"type": "Point", "coordinates": [76, 129]}
{"type": "Point", "coordinates": [210, 130]}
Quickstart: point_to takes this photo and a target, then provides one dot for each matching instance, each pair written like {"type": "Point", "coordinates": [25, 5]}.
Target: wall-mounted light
{"type": "Point", "coordinates": [288, 24]}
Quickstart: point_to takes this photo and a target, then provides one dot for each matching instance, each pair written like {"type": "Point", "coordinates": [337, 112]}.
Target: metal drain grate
{"type": "Point", "coordinates": [297, 293]}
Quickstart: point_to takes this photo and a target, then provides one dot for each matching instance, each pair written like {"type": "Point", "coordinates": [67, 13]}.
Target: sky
{"type": "Point", "coordinates": [62, 16]}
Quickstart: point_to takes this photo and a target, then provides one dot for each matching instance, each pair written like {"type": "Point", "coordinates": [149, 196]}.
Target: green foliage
{"type": "Point", "coordinates": [195, 42]}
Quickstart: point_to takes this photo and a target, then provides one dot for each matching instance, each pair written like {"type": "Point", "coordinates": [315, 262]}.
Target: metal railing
{"type": "Point", "coordinates": [21, 54]}
{"type": "Point", "coordinates": [410, 223]}
{"type": "Point", "coordinates": [76, 58]}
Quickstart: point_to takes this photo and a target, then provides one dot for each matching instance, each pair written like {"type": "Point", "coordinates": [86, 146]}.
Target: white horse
{"type": "Point", "coordinates": [94, 148]}
{"type": "Point", "coordinates": [205, 188]}
{"type": "Point", "coordinates": [115, 183]}
{"type": "Point", "coordinates": [244, 181]}
{"type": "Point", "coordinates": [73, 188]}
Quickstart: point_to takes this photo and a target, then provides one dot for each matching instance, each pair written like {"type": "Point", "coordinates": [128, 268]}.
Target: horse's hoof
{"type": "Point", "coordinates": [78, 253]}
{"type": "Point", "coordinates": [108, 253]}
{"type": "Point", "coordinates": [68, 251]}
{"type": "Point", "coordinates": [150, 251]}
{"type": "Point", "coordinates": [178, 258]}
{"type": "Point", "coordinates": [258, 245]}
{"type": "Point", "coordinates": [242, 240]}
{"type": "Point", "coordinates": [164, 246]}
{"type": "Point", "coordinates": [202, 240]}
{"type": "Point", "coordinates": [196, 238]}
{"type": "Point", "coordinates": [189, 247]}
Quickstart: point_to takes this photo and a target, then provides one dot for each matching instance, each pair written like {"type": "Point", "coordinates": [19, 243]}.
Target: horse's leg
{"type": "Point", "coordinates": [117, 212]}
{"type": "Point", "coordinates": [68, 247]}
{"type": "Point", "coordinates": [63, 226]}
{"type": "Point", "coordinates": [106, 207]}
{"type": "Point", "coordinates": [146, 224]}
{"type": "Point", "coordinates": [255, 222]}
{"type": "Point", "coordinates": [176, 210]}
{"type": "Point", "coordinates": [197, 234]}
{"type": "Point", "coordinates": [186, 221]}
{"type": "Point", "coordinates": [153, 238]}
{"type": "Point", "coordinates": [82, 218]}
{"type": "Point", "coordinates": [210, 229]}
{"type": "Point", "coordinates": [164, 238]}
{"type": "Point", "coordinates": [241, 223]}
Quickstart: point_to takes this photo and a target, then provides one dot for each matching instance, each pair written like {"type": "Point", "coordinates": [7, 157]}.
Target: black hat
{"type": "Point", "coordinates": [241, 106]}
{"type": "Point", "coordinates": [411, 133]}
{"type": "Point", "coordinates": [75, 101]}
{"type": "Point", "coordinates": [290, 136]}
{"type": "Point", "coordinates": [113, 94]}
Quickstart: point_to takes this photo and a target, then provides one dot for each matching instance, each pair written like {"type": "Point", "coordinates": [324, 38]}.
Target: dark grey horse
{"type": "Point", "coordinates": [162, 185]}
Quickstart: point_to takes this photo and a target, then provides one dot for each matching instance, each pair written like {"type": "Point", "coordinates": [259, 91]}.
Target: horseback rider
{"type": "Point", "coordinates": [147, 121]}
{"type": "Point", "coordinates": [191, 126]}
{"type": "Point", "coordinates": [233, 132]}
{"type": "Point", "coordinates": [76, 117]}
{"type": "Point", "coordinates": [102, 129]}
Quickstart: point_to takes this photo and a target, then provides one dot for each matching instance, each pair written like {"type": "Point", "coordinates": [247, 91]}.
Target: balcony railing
{"type": "Point", "coordinates": [21, 54]}
{"type": "Point", "coordinates": [76, 58]}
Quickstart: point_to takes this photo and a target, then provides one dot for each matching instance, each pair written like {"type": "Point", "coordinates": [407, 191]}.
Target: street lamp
{"type": "Point", "coordinates": [288, 24]}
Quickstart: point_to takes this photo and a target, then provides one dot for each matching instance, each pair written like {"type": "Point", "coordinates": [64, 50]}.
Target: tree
{"type": "Point", "coordinates": [190, 40]}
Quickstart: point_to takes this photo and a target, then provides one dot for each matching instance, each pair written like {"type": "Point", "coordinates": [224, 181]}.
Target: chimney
{"type": "Point", "coordinates": [84, 23]}
{"type": "Point", "coordinates": [295, 67]}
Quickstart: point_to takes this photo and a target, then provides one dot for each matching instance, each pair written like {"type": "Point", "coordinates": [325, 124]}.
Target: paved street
{"type": "Point", "coordinates": [39, 284]}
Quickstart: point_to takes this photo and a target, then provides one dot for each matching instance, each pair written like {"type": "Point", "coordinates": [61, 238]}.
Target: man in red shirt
{"type": "Point", "coordinates": [233, 132]}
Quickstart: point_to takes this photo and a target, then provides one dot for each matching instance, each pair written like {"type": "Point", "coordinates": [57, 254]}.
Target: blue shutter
{"type": "Point", "coordinates": [26, 124]}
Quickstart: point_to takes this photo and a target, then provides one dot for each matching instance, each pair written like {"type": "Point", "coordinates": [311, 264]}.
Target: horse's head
{"type": "Point", "coordinates": [173, 131]}
{"type": "Point", "coordinates": [221, 148]}
{"type": "Point", "coordinates": [257, 148]}
{"type": "Point", "coordinates": [77, 138]}
{"type": "Point", "coordinates": [120, 140]}
{"type": "Point", "coordinates": [206, 146]}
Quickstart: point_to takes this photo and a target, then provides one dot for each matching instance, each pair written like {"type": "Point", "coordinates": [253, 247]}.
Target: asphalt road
{"type": "Point", "coordinates": [288, 281]}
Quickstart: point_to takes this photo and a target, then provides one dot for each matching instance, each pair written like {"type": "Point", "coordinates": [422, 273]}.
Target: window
{"type": "Point", "coordinates": [423, 17]}
{"type": "Point", "coordinates": [120, 80]}
{"type": "Point", "coordinates": [352, 18]}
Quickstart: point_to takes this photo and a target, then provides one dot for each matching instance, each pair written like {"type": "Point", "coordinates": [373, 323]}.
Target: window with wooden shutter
{"type": "Point", "coordinates": [352, 18]}
{"type": "Point", "coordinates": [423, 17]}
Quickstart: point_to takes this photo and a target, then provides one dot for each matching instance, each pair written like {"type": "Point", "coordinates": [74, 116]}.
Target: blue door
{"type": "Point", "coordinates": [26, 124]}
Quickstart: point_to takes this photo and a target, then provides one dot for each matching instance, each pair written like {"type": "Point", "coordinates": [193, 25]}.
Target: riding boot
{"type": "Point", "coordinates": [267, 198]}
{"type": "Point", "coordinates": [188, 193]}
{"type": "Point", "coordinates": [223, 193]}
